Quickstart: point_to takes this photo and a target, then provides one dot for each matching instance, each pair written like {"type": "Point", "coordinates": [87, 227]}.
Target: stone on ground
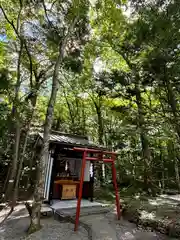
{"type": "Point", "coordinates": [106, 227]}
{"type": "Point", "coordinates": [102, 226]}
{"type": "Point", "coordinates": [161, 213]}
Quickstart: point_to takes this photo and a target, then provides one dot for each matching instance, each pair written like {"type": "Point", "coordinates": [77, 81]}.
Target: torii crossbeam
{"type": "Point", "coordinates": [100, 157]}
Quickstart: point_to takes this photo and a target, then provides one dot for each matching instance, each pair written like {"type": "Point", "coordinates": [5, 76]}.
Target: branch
{"type": "Point", "coordinates": [46, 14]}
{"type": "Point", "coordinates": [6, 217]}
{"type": "Point", "coordinates": [7, 19]}
{"type": "Point", "coordinates": [69, 108]}
{"type": "Point", "coordinates": [62, 47]}
{"type": "Point", "coordinates": [70, 85]}
{"type": "Point", "coordinates": [93, 100]}
{"type": "Point", "coordinates": [19, 64]}
{"type": "Point", "coordinates": [10, 22]}
{"type": "Point", "coordinates": [30, 64]}
{"type": "Point", "coordinates": [29, 208]}
{"type": "Point", "coordinates": [53, 4]}
{"type": "Point", "coordinates": [45, 74]}
{"type": "Point", "coordinates": [18, 17]}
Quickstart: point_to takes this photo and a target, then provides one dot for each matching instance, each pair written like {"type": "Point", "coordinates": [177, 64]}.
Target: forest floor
{"type": "Point", "coordinates": [92, 227]}
{"type": "Point", "coordinates": [160, 213]}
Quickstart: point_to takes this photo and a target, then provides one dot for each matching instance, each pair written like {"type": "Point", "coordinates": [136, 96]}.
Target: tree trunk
{"type": "Point", "coordinates": [134, 157]}
{"type": "Point", "coordinates": [16, 122]}
{"type": "Point", "coordinates": [173, 105]}
{"type": "Point", "coordinates": [141, 124]}
{"type": "Point", "coordinates": [71, 114]}
{"type": "Point", "coordinates": [41, 162]}
{"type": "Point", "coordinates": [175, 121]}
{"type": "Point", "coordinates": [21, 156]}
{"type": "Point", "coordinates": [15, 192]}
{"type": "Point", "coordinates": [34, 213]}
{"type": "Point", "coordinates": [17, 30]}
{"type": "Point", "coordinates": [58, 124]}
{"type": "Point", "coordinates": [83, 119]}
{"type": "Point", "coordinates": [12, 177]}
{"type": "Point", "coordinates": [176, 168]}
{"type": "Point", "coordinates": [39, 188]}
{"type": "Point", "coordinates": [98, 106]}
{"type": "Point", "coordinates": [162, 168]}
{"type": "Point", "coordinates": [172, 155]}
{"type": "Point", "coordinates": [144, 140]}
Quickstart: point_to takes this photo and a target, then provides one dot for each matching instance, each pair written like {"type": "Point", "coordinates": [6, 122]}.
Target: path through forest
{"type": "Point", "coordinates": [93, 227]}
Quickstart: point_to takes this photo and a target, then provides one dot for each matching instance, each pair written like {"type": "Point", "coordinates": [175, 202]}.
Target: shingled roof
{"type": "Point", "coordinates": [71, 139]}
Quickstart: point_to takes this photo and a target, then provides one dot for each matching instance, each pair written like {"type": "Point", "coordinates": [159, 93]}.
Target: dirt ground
{"type": "Point", "coordinates": [92, 227]}
{"type": "Point", "coordinates": [161, 213]}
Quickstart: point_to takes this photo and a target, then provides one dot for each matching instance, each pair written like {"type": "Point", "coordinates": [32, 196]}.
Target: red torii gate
{"type": "Point", "coordinates": [104, 160]}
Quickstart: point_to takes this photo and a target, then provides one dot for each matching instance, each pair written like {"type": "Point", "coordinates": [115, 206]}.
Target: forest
{"type": "Point", "coordinates": [106, 69]}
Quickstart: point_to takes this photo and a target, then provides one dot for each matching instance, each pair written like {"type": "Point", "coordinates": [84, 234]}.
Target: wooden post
{"type": "Point", "coordinates": [92, 159]}
{"type": "Point", "coordinates": [80, 190]}
{"type": "Point", "coordinates": [115, 187]}
{"type": "Point", "coordinates": [92, 182]}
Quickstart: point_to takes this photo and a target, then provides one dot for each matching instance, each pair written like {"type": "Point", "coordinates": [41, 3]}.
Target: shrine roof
{"type": "Point", "coordinates": [72, 139]}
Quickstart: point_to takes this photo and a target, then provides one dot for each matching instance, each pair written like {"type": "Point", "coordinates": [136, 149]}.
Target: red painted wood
{"type": "Point", "coordinates": [97, 159]}
{"type": "Point", "coordinates": [91, 158]}
{"type": "Point", "coordinates": [105, 160]}
{"type": "Point", "coordinates": [116, 190]}
{"type": "Point", "coordinates": [110, 153]}
{"type": "Point", "coordinates": [80, 191]}
{"type": "Point", "coordinates": [94, 151]}
{"type": "Point", "coordinates": [108, 160]}
{"type": "Point", "coordinates": [87, 149]}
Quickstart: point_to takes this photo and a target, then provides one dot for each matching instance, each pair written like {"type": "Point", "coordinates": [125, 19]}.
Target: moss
{"type": "Point", "coordinates": [104, 194]}
{"type": "Point", "coordinates": [33, 228]}
{"type": "Point", "coordinates": [163, 217]}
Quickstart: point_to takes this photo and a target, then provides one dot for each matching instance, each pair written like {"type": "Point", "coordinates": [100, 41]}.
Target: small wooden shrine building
{"type": "Point", "coordinates": [70, 167]}
{"type": "Point", "coordinates": [63, 167]}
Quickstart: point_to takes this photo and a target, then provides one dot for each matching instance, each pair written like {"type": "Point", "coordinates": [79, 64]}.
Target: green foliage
{"type": "Point", "coordinates": [4, 81]}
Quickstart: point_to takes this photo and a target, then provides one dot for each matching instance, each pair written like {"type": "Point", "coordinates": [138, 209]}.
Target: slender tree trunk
{"type": "Point", "coordinates": [176, 123]}
{"type": "Point", "coordinates": [144, 140]}
{"type": "Point", "coordinates": [176, 169]}
{"type": "Point", "coordinates": [98, 106]}
{"type": "Point", "coordinates": [6, 180]}
{"type": "Point", "coordinates": [16, 122]}
{"type": "Point", "coordinates": [141, 124]}
{"type": "Point", "coordinates": [41, 162]}
{"type": "Point", "coordinates": [31, 161]}
{"type": "Point", "coordinates": [12, 177]}
{"type": "Point", "coordinates": [162, 168]}
{"type": "Point", "coordinates": [84, 120]}
{"type": "Point", "coordinates": [173, 105]}
{"type": "Point", "coordinates": [14, 115]}
{"type": "Point", "coordinates": [71, 114]}
{"type": "Point", "coordinates": [21, 156]}
{"type": "Point", "coordinates": [134, 157]}
{"type": "Point", "coordinates": [58, 124]}
{"type": "Point", "coordinates": [172, 155]}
